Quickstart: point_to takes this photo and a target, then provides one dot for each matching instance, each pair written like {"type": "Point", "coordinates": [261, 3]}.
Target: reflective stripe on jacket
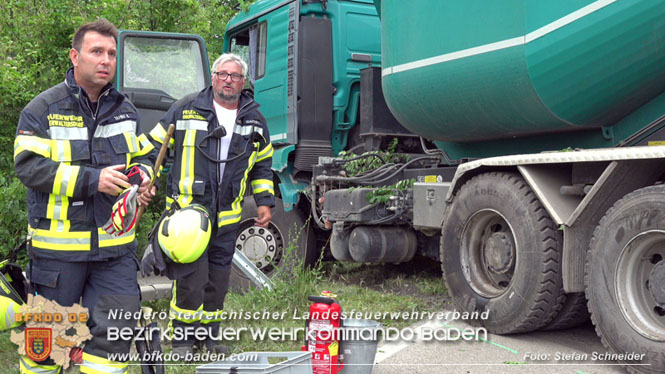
{"type": "Point", "coordinates": [194, 179]}
{"type": "Point", "coordinates": [60, 148]}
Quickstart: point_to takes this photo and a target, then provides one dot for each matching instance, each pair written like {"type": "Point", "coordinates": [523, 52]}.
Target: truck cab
{"type": "Point", "coordinates": [305, 59]}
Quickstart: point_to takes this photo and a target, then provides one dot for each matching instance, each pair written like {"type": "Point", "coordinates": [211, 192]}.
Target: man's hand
{"type": "Point", "coordinates": [145, 198]}
{"type": "Point", "coordinates": [112, 180]}
{"type": "Point", "coordinates": [145, 195]}
{"type": "Point", "coordinates": [264, 216]}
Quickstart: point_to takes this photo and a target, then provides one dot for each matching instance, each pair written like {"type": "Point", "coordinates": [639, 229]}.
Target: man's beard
{"type": "Point", "coordinates": [228, 98]}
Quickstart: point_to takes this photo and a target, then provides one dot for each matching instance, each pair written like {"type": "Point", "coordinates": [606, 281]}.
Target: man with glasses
{"type": "Point", "coordinates": [213, 167]}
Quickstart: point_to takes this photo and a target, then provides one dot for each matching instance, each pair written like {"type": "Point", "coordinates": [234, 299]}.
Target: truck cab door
{"type": "Point", "coordinates": [267, 43]}
{"type": "Point", "coordinates": [156, 69]}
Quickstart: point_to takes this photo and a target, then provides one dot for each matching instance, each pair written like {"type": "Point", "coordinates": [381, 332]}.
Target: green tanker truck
{"type": "Point", "coordinates": [519, 143]}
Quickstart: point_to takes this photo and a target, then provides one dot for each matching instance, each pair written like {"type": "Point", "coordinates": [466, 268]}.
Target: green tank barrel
{"type": "Point", "coordinates": [474, 70]}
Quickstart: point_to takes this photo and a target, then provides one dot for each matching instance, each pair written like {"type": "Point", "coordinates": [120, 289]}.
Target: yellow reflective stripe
{"type": "Point", "coordinates": [265, 153]}
{"type": "Point", "coordinates": [191, 124]}
{"type": "Point", "coordinates": [247, 130]}
{"type": "Point", "coordinates": [106, 240]}
{"type": "Point", "coordinates": [32, 144]}
{"type": "Point", "coordinates": [61, 150]}
{"type": "Point", "coordinates": [31, 367]}
{"type": "Point", "coordinates": [210, 317]}
{"type": "Point", "coordinates": [61, 241]}
{"type": "Point", "coordinates": [235, 214]}
{"type": "Point", "coordinates": [169, 201]}
{"type": "Point", "coordinates": [261, 185]}
{"type": "Point", "coordinates": [145, 146]}
{"type": "Point", "coordinates": [228, 217]}
{"type": "Point", "coordinates": [158, 133]}
{"type": "Point", "coordinates": [68, 133]}
{"type": "Point", "coordinates": [60, 225]}
{"type": "Point", "coordinates": [57, 207]}
{"type": "Point", "coordinates": [132, 142]}
{"type": "Point", "coordinates": [187, 164]}
{"type": "Point", "coordinates": [96, 365]}
{"type": "Point", "coordinates": [65, 179]}
{"type": "Point", "coordinates": [185, 200]}
{"type": "Point", "coordinates": [180, 314]}
{"type": "Point", "coordinates": [114, 129]}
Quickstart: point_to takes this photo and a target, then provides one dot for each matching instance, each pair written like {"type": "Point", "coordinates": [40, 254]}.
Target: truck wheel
{"type": "Point", "coordinates": [573, 313]}
{"type": "Point", "coordinates": [269, 247]}
{"type": "Point", "coordinates": [501, 252]}
{"type": "Point", "coordinates": [624, 276]}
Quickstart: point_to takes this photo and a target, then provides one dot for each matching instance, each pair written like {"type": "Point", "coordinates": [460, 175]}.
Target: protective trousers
{"type": "Point", "coordinates": [101, 286]}
{"type": "Point", "coordinates": [198, 298]}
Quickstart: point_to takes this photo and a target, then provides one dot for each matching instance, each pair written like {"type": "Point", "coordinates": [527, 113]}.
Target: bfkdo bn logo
{"type": "Point", "coordinates": [38, 343]}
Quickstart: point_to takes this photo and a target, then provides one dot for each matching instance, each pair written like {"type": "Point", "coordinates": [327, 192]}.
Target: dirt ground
{"type": "Point", "coordinates": [421, 278]}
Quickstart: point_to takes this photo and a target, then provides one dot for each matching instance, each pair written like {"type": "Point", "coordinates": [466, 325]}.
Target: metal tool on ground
{"type": "Point", "coordinates": [251, 271]}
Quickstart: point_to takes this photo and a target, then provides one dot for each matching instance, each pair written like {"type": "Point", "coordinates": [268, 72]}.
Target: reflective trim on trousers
{"type": "Point", "coordinates": [30, 367]}
{"type": "Point", "coordinates": [98, 365]}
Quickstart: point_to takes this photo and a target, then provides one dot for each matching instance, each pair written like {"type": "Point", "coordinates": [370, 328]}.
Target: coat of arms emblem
{"type": "Point", "coordinates": [38, 343]}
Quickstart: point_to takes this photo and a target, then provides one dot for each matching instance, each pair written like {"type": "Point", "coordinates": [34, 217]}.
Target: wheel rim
{"type": "Point", "coordinates": [634, 268]}
{"type": "Point", "coordinates": [263, 246]}
{"type": "Point", "coordinates": [488, 253]}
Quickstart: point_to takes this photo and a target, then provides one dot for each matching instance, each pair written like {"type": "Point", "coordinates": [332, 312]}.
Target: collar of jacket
{"type": "Point", "coordinates": [246, 102]}
{"type": "Point", "coordinates": [80, 94]}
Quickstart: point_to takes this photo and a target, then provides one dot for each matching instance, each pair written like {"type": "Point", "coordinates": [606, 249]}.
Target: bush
{"type": "Point", "coordinates": [13, 215]}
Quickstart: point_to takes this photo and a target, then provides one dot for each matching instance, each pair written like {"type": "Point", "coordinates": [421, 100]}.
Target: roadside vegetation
{"type": "Point", "coordinates": [359, 288]}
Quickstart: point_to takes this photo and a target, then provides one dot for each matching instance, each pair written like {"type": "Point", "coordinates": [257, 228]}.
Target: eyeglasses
{"type": "Point", "coordinates": [222, 75]}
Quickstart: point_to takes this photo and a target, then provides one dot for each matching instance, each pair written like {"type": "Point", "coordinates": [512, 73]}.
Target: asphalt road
{"type": "Point", "coordinates": [576, 351]}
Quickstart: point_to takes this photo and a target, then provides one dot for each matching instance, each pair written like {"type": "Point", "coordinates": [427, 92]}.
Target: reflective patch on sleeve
{"type": "Point", "coordinates": [32, 144]}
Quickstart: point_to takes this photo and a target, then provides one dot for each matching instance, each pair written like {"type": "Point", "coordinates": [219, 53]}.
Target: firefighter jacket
{"type": "Point", "coordinates": [60, 148]}
{"type": "Point", "coordinates": [193, 178]}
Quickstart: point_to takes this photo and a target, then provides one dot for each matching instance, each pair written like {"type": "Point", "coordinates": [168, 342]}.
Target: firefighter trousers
{"type": "Point", "coordinates": [198, 298]}
{"type": "Point", "coordinates": [105, 288]}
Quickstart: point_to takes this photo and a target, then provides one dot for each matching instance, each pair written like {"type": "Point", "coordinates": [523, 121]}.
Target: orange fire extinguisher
{"type": "Point", "coordinates": [322, 333]}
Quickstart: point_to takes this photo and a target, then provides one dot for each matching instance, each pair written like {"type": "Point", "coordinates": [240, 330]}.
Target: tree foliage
{"type": "Point", "coordinates": [35, 38]}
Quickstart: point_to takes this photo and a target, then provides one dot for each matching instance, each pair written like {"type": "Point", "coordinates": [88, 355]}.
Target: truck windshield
{"type": "Point", "coordinates": [169, 65]}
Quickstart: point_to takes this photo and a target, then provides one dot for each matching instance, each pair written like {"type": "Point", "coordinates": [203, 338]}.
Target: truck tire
{"type": "Point", "coordinates": [573, 313]}
{"type": "Point", "coordinates": [501, 251]}
{"type": "Point", "coordinates": [627, 244]}
{"type": "Point", "coordinates": [286, 229]}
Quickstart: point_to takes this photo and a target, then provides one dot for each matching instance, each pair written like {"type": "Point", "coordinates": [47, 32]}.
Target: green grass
{"type": "Point", "coordinates": [359, 288]}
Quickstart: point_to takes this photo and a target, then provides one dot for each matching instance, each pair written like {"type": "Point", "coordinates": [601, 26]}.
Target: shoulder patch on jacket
{"type": "Point", "coordinates": [40, 104]}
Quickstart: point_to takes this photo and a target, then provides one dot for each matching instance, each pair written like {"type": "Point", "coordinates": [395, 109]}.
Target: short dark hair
{"type": "Point", "coordinates": [101, 26]}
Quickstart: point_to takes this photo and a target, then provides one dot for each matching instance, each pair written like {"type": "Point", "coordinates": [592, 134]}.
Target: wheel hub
{"type": "Point", "coordinates": [657, 283]}
{"type": "Point", "coordinates": [258, 244]}
{"type": "Point", "coordinates": [499, 252]}
{"type": "Point", "coordinates": [488, 253]}
{"type": "Point", "coordinates": [640, 271]}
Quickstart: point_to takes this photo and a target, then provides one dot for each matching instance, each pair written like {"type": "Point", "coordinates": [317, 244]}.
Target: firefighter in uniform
{"type": "Point", "coordinates": [198, 177]}
{"type": "Point", "coordinates": [73, 144]}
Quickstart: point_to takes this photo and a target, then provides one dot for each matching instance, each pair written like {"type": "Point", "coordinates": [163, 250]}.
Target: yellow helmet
{"type": "Point", "coordinates": [185, 235]}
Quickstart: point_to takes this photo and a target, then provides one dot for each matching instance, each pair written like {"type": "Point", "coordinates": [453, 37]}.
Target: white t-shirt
{"type": "Point", "coordinates": [226, 118]}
